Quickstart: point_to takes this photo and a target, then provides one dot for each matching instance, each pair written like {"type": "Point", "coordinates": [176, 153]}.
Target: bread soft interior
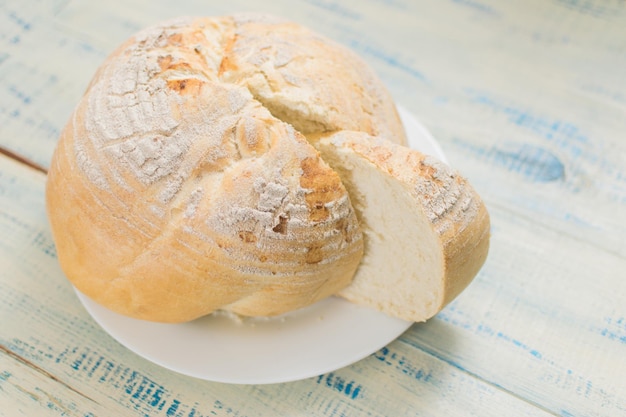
{"type": "Point", "coordinates": [426, 231]}
{"type": "Point", "coordinates": [402, 266]}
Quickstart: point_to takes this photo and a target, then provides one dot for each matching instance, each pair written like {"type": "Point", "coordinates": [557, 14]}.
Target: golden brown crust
{"type": "Point", "coordinates": [465, 253]}
{"type": "Point", "coordinates": [183, 183]}
{"type": "Point", "coordinates": [307, 80]}
{"type": "Point", "coordinates": [173, 193]}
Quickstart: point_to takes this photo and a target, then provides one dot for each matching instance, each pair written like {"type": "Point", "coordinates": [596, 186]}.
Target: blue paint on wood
{"type": "Point", "coordinates": [394, 4]}
{"type": "Point", "coordinates": [137, 390]}
{"type": "Point", "coordinates": [562, 133]}
{"type": "Point", "coordinates": [534, 163]}
{"type": "Point", "coordinates": [43, 242]}
{"type": "Point", "coordinates": [523, 346]}
{"type": "Point", "coordinates": [19, 94]}
{"type": "Point", "coordinates": [476, 5]}
{"type": "Point", "coordinates": [597, 9]}
{"type": "Point", "coordinates": [20, 21]}
{"type": "Point", "coordinates": [614, 328]}
{"type": "Point", "coordinates": [486, 330]}
{"type": "Point", "coordinates": [171, 411]}
{"type": "Point", "coordinates": [335, 8]}
{"type": "Point", "coordinates": [368, 49]}
{"type": "Point", "coordinates": [605, 93]}
{"type": "Point", "coordinates": [78, 362]}
{"type": "Point", "coordinates": [403, 364]}
{"type": "Point", "coordinates": [338, 383]}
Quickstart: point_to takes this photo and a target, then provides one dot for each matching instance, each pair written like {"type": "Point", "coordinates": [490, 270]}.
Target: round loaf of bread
{"type": "Point", "coordinates": [183, 182]}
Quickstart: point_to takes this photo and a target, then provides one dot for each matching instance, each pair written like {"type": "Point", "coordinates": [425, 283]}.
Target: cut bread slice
{"type": "Point", "coordinates": [426, 230]}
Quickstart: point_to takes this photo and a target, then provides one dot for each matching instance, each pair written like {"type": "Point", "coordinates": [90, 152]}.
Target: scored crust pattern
{"type": "Point", "coordinates": [183, 182]}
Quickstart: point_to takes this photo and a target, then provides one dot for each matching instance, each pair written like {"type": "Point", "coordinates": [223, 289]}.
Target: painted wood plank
{"type": "Point", "coordinates": [528, 100]}
{"type": "Point", "coordinates": [553, 332]}
{"type": "Point", "coordinates": [25, 390]}
{"type": "Point", "coordinates": [58, 358]}
{"type": "Point", "coordinates": [39, 86]}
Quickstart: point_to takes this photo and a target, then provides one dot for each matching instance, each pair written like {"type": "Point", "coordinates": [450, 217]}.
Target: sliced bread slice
{"type": "Point", "coordinates": [426, 230]}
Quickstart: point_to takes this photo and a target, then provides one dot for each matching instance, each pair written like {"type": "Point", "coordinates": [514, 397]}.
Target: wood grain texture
{"type": "Point", "coordinates": [528, 100]}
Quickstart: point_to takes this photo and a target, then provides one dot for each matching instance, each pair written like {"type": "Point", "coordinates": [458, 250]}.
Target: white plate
{"type": "Point", "coordinates": [312, 341]}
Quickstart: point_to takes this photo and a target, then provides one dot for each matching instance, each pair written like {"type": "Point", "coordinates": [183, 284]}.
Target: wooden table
{"type": "Point", "coordinates": [527, 99]}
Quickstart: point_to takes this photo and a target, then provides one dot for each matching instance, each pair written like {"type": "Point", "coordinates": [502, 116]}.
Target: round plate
{"type": "Point", "coordinates": [328, 335]}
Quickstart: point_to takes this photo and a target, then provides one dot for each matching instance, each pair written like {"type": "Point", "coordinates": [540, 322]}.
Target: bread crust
{"type": "Point", "coordinates": [456, 218]}
{"type": "Point", "coordinates": [183, 182]}
{"type": "Point", "coordinates": [309, 81]}
{"type": "Point", "coordinates": [174, 191]}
